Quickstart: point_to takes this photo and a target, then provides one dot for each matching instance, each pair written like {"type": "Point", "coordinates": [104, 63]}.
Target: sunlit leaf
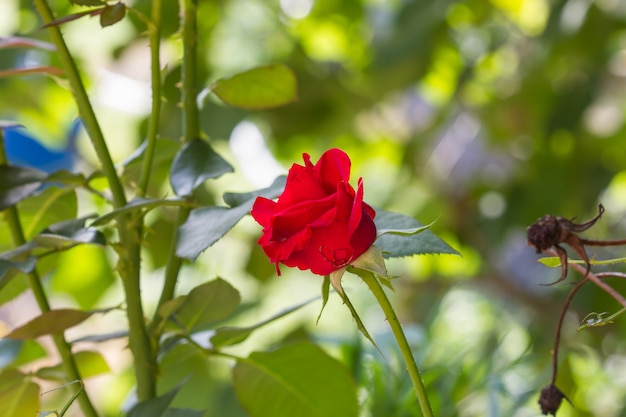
{"type": "Point", "coordinates": [89, 364]}
{"type": "Point", "coordinates": [399, 245]}
{"type": "Point", "coordinates": [227, 336]}
{"type": "Point", "coordinates": [259, 88]}
{"type": "Point", "coordinates": [19, 352]}
{"type": "Point", "coordinates": [50, 322]}
{"type": "Point", "coordinates": [555, 261]}
{"type": "Point", "coordinates": [195, 163]}
{"type": "Point", "coordinates": [295, 380]}
{"type": "Point", "coordinates": [19, 395]}
{"type": "Point", "coordinates": [111, 14]}
{"type": "Point", "coordinates": [208, 303]}
{"type": "Point", "coordinates": [17, 183]}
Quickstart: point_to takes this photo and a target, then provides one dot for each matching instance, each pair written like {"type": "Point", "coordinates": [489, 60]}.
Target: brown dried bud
{"type": "Point", "coordinates": [545, 233]}
{"type": "Point", "coordinates": [550, 400]}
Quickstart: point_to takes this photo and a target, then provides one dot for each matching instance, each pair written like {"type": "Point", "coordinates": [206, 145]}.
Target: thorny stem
{"type": "Point", "coordinates": [128, 228]}
{"type": "Point", "coordinates": [154, 33]}
{"type": "Point", "coordinates": [191, 131]}
{"type": "Point", "coordinates": [403, 344]}
{"type": "Point", "coordinates": [65, 351]}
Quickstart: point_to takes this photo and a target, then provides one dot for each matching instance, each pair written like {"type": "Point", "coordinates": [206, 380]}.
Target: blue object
{"type": "Point", "coordinates": [23, 149]}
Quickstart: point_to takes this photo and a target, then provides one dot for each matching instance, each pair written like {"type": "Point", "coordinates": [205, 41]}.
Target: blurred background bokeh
{"type": "Point", "coordinates": [481, 115]}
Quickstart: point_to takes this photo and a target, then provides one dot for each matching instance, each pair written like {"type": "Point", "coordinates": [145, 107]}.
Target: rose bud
{"type": "Point", "coordinates": [320, 221]}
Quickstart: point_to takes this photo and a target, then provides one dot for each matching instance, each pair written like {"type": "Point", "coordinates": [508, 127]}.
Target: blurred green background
{"type": "Point", "coordinates": [483, 115]}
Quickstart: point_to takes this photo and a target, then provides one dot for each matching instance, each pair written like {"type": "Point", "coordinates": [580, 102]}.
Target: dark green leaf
{"type": "Point", "coordinates": [154, 407]}
{"type": "Point", "coordinates": [182, 412]}
{"type": "Point", "coordinates": [19, 395]}
{"type": "Point", "coordinates": [259, 88]}
{"type": "Point", "coordinates": [138, 204]}
{"type": "Point", "coordinates": [397, 245]}
{"type": "Point", "coordinates": [88, 2]}
{"type": "Point", "coordinates": [273, 191]}
{"type": "Point", "coordinates": [50, 322]}
{"type": "Point", "coordinates": [69, 232]}
{"type": "Point", "coordinates": [295, 380]}
{"type": "Point", "coordinates": [208, 303]}
{"type": "Point", "coordinates": [112, 14]}
{"type": "Point", "coordinates": [228, 336]}
{"type": "Point", "coordinates": [195, 163]}
{"type": "Point", "coordinates": [325, 294]}
{"type": "Point", "coordinates": [9, 269]}
{"type": "Point", "coordinates": [205, 226]}
{"type": "Point", "coordinates": [17, 183]}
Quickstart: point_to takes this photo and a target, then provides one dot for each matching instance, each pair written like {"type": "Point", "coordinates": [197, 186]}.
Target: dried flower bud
{"type": "Point", "coordinates": [545, 233]}
{"type": "Point", "coordinates": [550, 399]}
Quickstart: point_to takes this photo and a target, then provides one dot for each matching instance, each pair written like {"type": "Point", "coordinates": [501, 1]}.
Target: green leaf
{"type": "Point", "coordinates": [88, 2]}
{"type": "Point", "coordinates": [138, 204]}
{"type": "Point", "coordinates": [18, 183]}
{"type": "Point", "coordinates": [67, 178]}
{"type": "Point", "coordinates": [206, 304]}
{"type": "Point", "coordinates": [555, 261]}
{"type": "Point", "coordinates": [195, 163]}
{"type": "Point", "coordinates": [295, 380]}
{"type": "Point", "coordinates": [207, 225]}
{"type": "Point", "coordinates": [19, 395]}
{"type": "Point", "coordinates": [259, 88]}
{"type": "Point", "coordinates": [228, 336]}
{"type": "Point", "coordinates": [19, 352]}
{"type": "Point", "coordinates": [50, 322]}
{"type": "Point", "coordinates": [51, 206]}
{"type": "Point", "coordinates": [154, 407]}
{"type": "Point", "coordinates": [273, 191]}
{"type": "Point", "coordinates": [401, 244]}
{"type": "Point", "coordinates": [69, 232]}
{"type": "Point", "coordinates": [89, 364]}
{"type": "Point", "coordinates": [6, 266]}
{"type": "Point", "coordinates": [112, 14]}
{"type": "Point", "coordinates": [182, 412]}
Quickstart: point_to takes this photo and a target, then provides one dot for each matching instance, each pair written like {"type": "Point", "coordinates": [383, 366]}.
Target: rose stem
{"type": "Point", "coordinates": [403, 344]}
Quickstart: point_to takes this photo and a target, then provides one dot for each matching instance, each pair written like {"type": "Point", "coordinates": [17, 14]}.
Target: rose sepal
{"type": "Point", "coordinates": [372, 261]}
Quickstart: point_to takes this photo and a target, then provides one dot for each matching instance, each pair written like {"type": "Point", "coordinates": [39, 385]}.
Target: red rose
{"type": "Point", "coordinates": [319, 222]}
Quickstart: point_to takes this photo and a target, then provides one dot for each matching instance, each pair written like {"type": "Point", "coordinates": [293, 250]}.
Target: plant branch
{"type": "Point", "coordinates": [403, 344]}
{"type": "Point", "coordinates": [129, 228]}
{"type": "Point", "coordinates": [191, 130]}
{"type": "Point", "coordinates": [154, 34]}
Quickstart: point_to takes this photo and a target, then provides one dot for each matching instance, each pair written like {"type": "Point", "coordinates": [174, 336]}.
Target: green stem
{"type": "Point", "coordinates": [403, 344]}
{"type": "Point", "coordinates": [191, 116]}
{"type": "Point", "coordinates": [129, 229]}
{"type": "Point", "coordinates": [191, 131]}
{"type": "Point", "coordinates": [154, 33]}
{"type": "Point", "coordinates": [65, 351]}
